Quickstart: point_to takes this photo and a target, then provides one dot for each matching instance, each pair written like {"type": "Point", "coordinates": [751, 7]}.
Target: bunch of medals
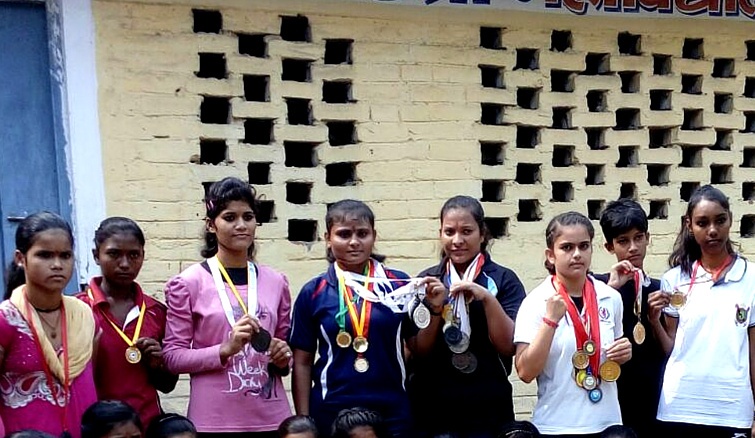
{"type": "Point", "coordinates": [359, 322]}
{"type": "Point", "coordinates": [584, 374]}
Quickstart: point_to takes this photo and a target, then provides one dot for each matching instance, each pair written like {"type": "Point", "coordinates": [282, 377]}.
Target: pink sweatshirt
{"type": "Point", "coordinates": [242, 395]}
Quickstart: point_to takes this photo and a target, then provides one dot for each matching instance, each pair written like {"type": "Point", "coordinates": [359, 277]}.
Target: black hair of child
{"type": "Point", "coordinates": [349, 419]}
{"type": "Point", "coordinates": [105, 415]}
{"type": "Point", "coordinates": [168, 425]}
{"type": "Point", "coordinates": [622, 216]}
{"type": "Point", "coordinates": [553, 230]}
{"type": "Point", "coordinates": [29, 433]}
{"type": "Point", "coordinates": [686, 249]}
{"type": "Point", "coordinates": [349, 209]}
{"type": "Point", "coordinates": [474, 208]}
{"type": "Point", "coordinates": [519, 429]}
{"type": "Point", "coordinates": [618, 431]}
{"type": "Point", "coordinates": [219, 195]}
{"type": "Point", "coordinates": [117, 225]}
{"type": "Point", "coordinates": [296, 424]}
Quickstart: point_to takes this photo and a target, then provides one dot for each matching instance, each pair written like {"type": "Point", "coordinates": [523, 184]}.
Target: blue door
{"type": "Point", "coordinates": [32, 170]}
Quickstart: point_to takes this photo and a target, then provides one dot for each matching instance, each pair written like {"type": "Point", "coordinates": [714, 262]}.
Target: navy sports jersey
{"type": "Point", "coordinates": [337, 385]}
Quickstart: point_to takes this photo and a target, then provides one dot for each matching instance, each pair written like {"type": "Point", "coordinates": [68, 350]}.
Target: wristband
{"type": "Point", "coordinates": [430, 308]}
{"type": "Point", "coordinates": [550, 322]}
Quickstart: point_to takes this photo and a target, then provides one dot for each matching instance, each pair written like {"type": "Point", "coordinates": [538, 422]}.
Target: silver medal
{"type": "Point", "coordinates": [421, 316]}
{"type": "Point", "coordinates": [462, 346]}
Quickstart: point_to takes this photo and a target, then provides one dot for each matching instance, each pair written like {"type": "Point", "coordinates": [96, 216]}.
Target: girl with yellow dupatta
{"type": "Point", "coordinates": [45, 338]}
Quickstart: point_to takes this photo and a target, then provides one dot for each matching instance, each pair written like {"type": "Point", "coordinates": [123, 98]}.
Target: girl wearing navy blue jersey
{"type": "Point", "coordinates": [359, 344]}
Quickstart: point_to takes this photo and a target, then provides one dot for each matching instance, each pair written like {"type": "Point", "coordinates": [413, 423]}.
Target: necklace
{"type": "Point", "coordinates": [53, 327]}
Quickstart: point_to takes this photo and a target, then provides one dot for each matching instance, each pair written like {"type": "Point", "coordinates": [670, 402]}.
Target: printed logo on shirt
{"type": "Point", "coordinates": [740, 316]}
{"type": "Point", "coordinates": [604, 314]}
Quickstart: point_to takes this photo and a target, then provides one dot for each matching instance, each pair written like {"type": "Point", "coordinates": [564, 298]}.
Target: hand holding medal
{"type": "Point", "coordinates": [657, 301]}
{"type": "Point", "coordinates": [151, 351]}
{"type": "Point", "coordinates": [241, 333]}
{"type": "Point", "coordinates": [470, 290]}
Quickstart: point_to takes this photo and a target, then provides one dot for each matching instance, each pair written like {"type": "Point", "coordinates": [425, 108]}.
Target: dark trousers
{"type": "Point", "coordinates": [685, 430]}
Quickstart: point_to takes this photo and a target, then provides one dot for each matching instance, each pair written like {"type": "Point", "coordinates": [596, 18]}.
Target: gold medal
{"type": "Point", "coordinates": [133, 355]}
{"type": "Point", "coordinates": [639, 333]}
{"type": "Point", "coordinates": [580, 377]}
{"type": "Point", "coordinates": [361, 365]}
{"type": "Point", "coordinates": [589, 347]}
{"type": "Point", "coordinates": [580, 360]}
{"type": "Point", "coordinates": [360, 344]}
{"type": "Point", "coordinates": [678, 299]}
{"type": "Point", "coordinates": [610, 371]}
{"type": "Point", "coordinates": [343, 339]}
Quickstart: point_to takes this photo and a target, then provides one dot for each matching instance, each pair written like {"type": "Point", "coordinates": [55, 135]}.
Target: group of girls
{"type": "Point", "coordinates": [431, 354]}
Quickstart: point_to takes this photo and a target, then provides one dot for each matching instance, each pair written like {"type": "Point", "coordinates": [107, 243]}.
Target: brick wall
{"type": "Point", "coordinates": [315, 101]}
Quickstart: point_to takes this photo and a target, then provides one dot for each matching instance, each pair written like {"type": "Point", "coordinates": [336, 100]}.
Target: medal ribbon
{"type": "Point", "coordinates": [639, 280]}
{"type": "Point", "coordinates": [374, 288]}
{"type": "Point", "coordinates": [139, 321]}
{"type": "Point", "coordinates": [586, 327]}
{"type": "Point", "coordinates": [219, 273]}
{"type": "Point", "coordinates": [460, 310]}
{"type": "Point", "coordinates": [361, 323]}
{"type": "Point", "coordinates": [714, 275]}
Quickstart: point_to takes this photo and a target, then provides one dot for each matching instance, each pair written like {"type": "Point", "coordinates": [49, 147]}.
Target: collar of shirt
{"type": "Point", "coordinates": [100, 301]}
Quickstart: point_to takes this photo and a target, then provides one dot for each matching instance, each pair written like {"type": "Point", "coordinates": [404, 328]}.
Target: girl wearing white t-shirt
{"type": "Point", "coordinates": [707, 389]}
{"type": "Point", "coordinates": [569, 337]}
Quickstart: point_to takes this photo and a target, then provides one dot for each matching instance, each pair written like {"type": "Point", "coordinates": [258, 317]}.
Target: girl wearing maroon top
{"type": "Point", "coordinates": [128, 364]}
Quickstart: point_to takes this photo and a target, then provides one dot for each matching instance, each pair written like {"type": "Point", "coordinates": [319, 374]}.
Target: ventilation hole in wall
{"type": "Point", "coordinates": [206, 187]}
{"type": "Point", "coordinates": [498, 227]}
{"type": "Point", "coordinates": [658, 209]}
{"type": "Point", "coordinates": [596, 101]}
{"type": "Point", "coordinates": [561, 118]}
{"type": "Point", "coordinates": [750, 50]}
{"type": "Point", "coordinates": [595, 208]}
{"type": "Point", "coordinates": [597, 64]}
{"type": "Point", "coordinates": [215, 110]}
{"type": "Point", "coordinates": [596, 174]}
{"type": "Point", "coordinates": [627, 119]}
{"type": "Point", "coordinates": [258, 173]}
{"type": "Point", "coordinates": [491, 76]}
{"type": "Point", "coordinates": [692, 156]}
{"type": "Point", "coordinates": [562, 81]}
{"type": "Point", "coordinates": [295, 28]}
{"type": "Point", "coordinates": [748, 191]}
{"type": "Point", "coordinates": [661, 65]}
{"type": "Point", "coordinates": [338, 51]}
{"type": "Point", "coordinates": [212, 151]}
{"type": "Point", "coordinates": [299, 111]}
{"type": "Point", "coordinates": [257, 88]}
{"type": "Point", "coordinates": [723, 103]}
{"type": "Point", "coordinates": [659, 137]}
{"type": "Point", "coordinates": [628, 156]}
{"type": "Point", "coordinates": [630, 81]}
{"type": "Point", "coordinates": [724, 139]}
{"type": "Point", "coordinates": [528, 98]}
{"type": "Point", "coordinates": [527, 173]}
{"type": "Point", "coordinates": [492, 190]}
{"type": "Point", "coordinates": [748, 157]}
{"type": "Point", "coordinates": [693, 119]}
{"type": "Point", "coordinates": [628, 190]}
{"type": "Point", "coordinates": [723, 68]}
{"type": "Point", "coordinates": [298, 70]}
{"type": "Point", "coordinates": [265, 211]}
{"type": "Point", "coordinates": [341, 174]}
{"type": "Point", "coordinates": [629, 44]}
{"type": "Point", "coordinates": [721, 174]}
{"type": "Point", "coordinates": [658, 174]}
{"type": "Point", "coordinates": [749, 87]}
{"type": "Point", "coordinates": [492, 153]}
{"type": "Point", "coordinates": [563, 156]}
{"type": "Point", "coordinates": [207, 21]}
{"type": "Point", "coordinates": [527, 137]}
{"type": "Point", "coordinates": [529, 211]}
{"type": "Point", "coordinates": [253, 45]}
{"type": "Point", "coordinates": [687, 189]}
{"type": "Point", "coordinates": [298, 192]}
{"type": "Point", "coordinates": [562, 191]}
{"type": "Point", "coordinates": [527, 59]}
{"type": "Point", "coordinates": [660, 100]}
{"type": "Point", "coordinates": [302, 230]}
{"type": "Point", "coordinates": [561, 40]}
{"type": "Point", "coordinates": [300, 154]}
{"type": "Point", "coordinates": [341, 133]}
{"type": "Point", "coordinates": [212, 65]}
{"type": "Point", "coordinates": [693, 48]}
{"type": "Point", "coordinates": [258, 131]}
{"type": "Point", "coordinates": [491, 38]}
{"type": "Point", "coordinates": [747, 226]}
{"type": "Point", "coordinates": [749, 121]}
{"type": "Point", "coordinates": [692, 84]}
{"type": "Point", "coordinates": [491, 114]}
{"type": "Point", "coordinates": [336, 92]}
{"type": "Point", "coordinates": [596, 138]}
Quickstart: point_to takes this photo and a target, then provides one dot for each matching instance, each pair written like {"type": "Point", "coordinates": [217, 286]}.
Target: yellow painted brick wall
{"type": "Point", "coordinates": [418, 109]}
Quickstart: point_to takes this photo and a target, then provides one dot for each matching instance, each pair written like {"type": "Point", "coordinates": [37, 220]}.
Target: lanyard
{"type": "Point", "coordinates": [219, 273]}
{"type": "Point", "coordinates": [639, 279]}
{"type": "Point", "coordinates": [362, 324]}
{"type": "Point", "coordinates": [458, 303]}
{"type": "Point", "coordinates": [586, 327]}
{"type": "Point", "coordinates": [139, 321]}
{"type": "Point", "coordinates": [714, 275]}
{"type": "Point", "coordinates": [346, 301]}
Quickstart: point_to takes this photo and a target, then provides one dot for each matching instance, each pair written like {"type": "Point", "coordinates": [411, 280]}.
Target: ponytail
{"type": "Point", "coordinates": [15, 276]}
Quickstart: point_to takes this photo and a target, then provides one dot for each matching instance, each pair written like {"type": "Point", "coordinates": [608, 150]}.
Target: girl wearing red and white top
{"type": "Point", "coordinates": [569, 337]}
{"type": "Point", "coordinates": [708, 382]}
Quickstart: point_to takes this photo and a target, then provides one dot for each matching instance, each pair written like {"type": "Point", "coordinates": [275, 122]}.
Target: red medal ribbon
{"type": "Point", "coordinates": [480, 259]}
{"type": "Point", "coordinates": [714, 275]}
{"type": "Point", "coordinates": [361, 325]}
{"type": "Point", "coordinates": [637, 284]}
{"type": "Point", "coordinates": [590, 321]}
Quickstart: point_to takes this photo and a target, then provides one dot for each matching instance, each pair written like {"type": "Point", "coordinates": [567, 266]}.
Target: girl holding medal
{"type": "Point", "coordinates": [360, 343]}
{"type": "Point", "coordinates": [46, 338]}
{"type": "Point", "coordinates": [708, 383]}
{"type": "Point", "coordinates": [462, 356]}
{"type": "Point", "coordinates": [131, 324]}
{"type": "Point", "coordinates": [227, 322]}
{"type": "Point", "coordinates": [569, 337]}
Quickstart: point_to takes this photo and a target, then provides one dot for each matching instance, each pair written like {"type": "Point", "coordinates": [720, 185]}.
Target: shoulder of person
{"type": "Point", "coordinates": [432, 271]}
{"type": "Point", "coordinates": [601, 277]}
{"type": "Point", "coordinates": [542, 291]}
{"type": "Point", "coordinates": [673, 275]}
{"type": "Point", "coordinates": [314, 285]}
{"type": "Point", "coordinates": [605, 291]}
{"type": "Point", "coordinates": [270, 272]}
{"type": "Point", "coordinates": [395, 273]}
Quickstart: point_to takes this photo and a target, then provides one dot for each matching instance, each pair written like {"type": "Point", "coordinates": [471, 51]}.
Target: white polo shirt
{"type": "Point", "coordinates": [563, 407]}
{"type": "Point", "coordinates": [707, 379]}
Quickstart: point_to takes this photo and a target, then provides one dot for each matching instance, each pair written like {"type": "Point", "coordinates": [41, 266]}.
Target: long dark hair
{"type": "Point", "coordinates": [219, 195]}
{"type": "Point", "coordinates": [26, 235]}
{"type": "Point", "coordinates": [473, 207]}
{"type": "Point", "coordinates": [553, 230]}
{"type": "Point", "coordinates": [102, 417]}
{"type": "Point", "coordinates": [686, 249]}
{"type": "Point", "coordinates": [344, 210]}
